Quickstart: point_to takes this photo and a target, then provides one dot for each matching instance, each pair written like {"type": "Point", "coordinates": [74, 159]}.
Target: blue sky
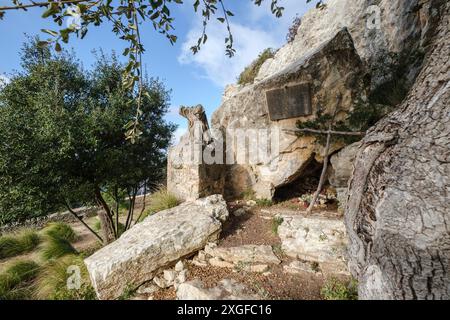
{"type": "Point", "coordinates": [194, 79]}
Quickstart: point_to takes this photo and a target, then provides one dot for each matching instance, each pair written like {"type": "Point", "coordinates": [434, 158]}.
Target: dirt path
{"type": "Point", "coordinates": [256, 227]}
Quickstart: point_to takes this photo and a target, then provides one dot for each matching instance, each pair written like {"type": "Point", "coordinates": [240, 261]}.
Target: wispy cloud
{"type": "Point", "coordinates": [259, 30]}
{"type": "Point", "coordinates": [3, 80]}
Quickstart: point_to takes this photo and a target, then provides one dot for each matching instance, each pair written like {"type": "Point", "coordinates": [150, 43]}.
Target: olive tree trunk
{"type": "Point", "coordinates": [398, 210]}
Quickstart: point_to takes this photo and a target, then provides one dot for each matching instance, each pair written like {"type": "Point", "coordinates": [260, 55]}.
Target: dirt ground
{"type": "Point", "coordinates": [256, 227]}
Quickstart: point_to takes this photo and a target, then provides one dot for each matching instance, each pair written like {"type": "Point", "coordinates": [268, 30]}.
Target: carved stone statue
{"type": "Point", "coordinates": [196, 116]}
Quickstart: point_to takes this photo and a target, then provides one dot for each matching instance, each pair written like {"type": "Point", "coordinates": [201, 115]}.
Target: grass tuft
{"type": "Point", "coordinates": [20, 243]}
{"type": "Point", "coordinates": [264, 202]}
{"type": "Point", "coordinates": [55, 247]}
{"type": "Point", "coordinates": [160, 200]}
{"type": "Point", "coordinates": [14, 282]}
{"type": "Point", "coordinates": [52, 282]}
{"type": "Point", "coordinates": [338, 290]}
{"type": "Point", "coordinates": [60, 230]}
{"type": "Point", "coordinates": [276, 222]}
{"type": "Point", "coordinates": [249, 74]}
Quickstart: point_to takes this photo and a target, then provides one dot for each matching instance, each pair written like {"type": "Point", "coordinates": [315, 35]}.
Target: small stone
{"type": "Point", "coordinates": [201, 255]}
{"type": "Point", "coordinates": [181, 276]}
{"type": "Point", "coordinates": [161, 282]}
{"type": "Point", "coordinates": [216, 262]}
{"type": "Point", "coordinates": [147, 288]}
{"type": "Point", "coordinates": [199, 263]}
{"type": "Point", "coordinates": [258, 268]}
{"type": "Point", "coordinates": [179, 266]}
{"type": "Point", "coordinates": [150, 298]}
{"type": "Point", "coordinates": [251, 203]}
{"type": "Point", "coordinates": [169, 276]}
{"type": "Point", "coordinates": [298, 267]}
{"type": "Point", "coordinates": [239, 212]}
{"type": "Point", "coordinates": [267, 273]}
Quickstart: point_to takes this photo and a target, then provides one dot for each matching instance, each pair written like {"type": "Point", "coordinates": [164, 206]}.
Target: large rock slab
{"type": "Point", "coordinates": [157, 242]}
{"type": "Point", "coordinates": [243, 254]}
{"type": "Point", "coordinates": [314, 239]}
{"type": "Point", "coordinates": [227, 289]}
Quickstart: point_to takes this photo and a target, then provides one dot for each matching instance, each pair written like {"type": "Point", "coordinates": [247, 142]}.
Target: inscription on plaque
{"type": "Point", "coordinates": [289, 102]}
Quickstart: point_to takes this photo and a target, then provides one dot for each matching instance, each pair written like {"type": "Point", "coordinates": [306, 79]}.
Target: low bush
{"type": "Point", "coordinates": [249, 74]}
{"type": "Point", "coordinates": [19, 243]}
{"type": "Point", "coordinates": [335, 289]}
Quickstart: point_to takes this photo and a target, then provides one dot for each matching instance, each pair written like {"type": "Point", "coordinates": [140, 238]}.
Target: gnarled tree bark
{"type": "Point", "coordinates": [398, 210]}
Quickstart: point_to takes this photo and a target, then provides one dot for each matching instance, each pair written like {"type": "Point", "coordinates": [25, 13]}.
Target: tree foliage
{"type": "Point", "coordinates": [62, 137]}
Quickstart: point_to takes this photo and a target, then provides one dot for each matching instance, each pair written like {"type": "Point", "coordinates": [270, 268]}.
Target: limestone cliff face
{"type": "Point", "coordinates": [333, 68]}
{"type": "Point", "coordinates": [371, 54]}
{"type": "Point", "coordinates": [404, 27]}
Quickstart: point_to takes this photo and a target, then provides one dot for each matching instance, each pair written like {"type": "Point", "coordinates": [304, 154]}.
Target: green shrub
{"type": "Point", "coordinates": [264, 202]}
{"type": "Point", "coordinates": [20, 243]}
{"type": "Point", "coordinates": [276, 222]}
{"type": "Point", "coordinates": [55, 247]}
{"type": "Point", "coordinates": [60, 230]}
{"type": "Point", "coordinates": [248, 194]}
{"type": "Point", "coordinates": [249, 74]}
{"type": "Point", "coordinates": [52, 280]}
{"type": "Point", "coordinates": [160, 200]}
{"type": "Point", "coordinates": [338, 290]}
{"type": "Point", "coordinates": [15, 281]}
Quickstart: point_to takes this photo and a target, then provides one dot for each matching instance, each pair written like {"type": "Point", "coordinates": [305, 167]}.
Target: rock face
{"type": "Point", "coordinates": [331, 69]}
{"type": "Point", "coordinates": [384, 31]}
{"type": "Point", "coordinates": [398, 212]}
{"type": "Point", "coordinates": [157, 242]}
{"type": "Point", "coordinates": [341, 170]}
{"type": "Point", "coordinates": [188, 176]}
{"type": "Point", "coordinates": [227, 289]}
{"type": "Point", "coordinates": [356, 48]}
{"type": "Point", "coordinates": [314, 239]}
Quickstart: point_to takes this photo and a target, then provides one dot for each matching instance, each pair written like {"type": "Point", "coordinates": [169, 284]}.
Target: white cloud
{"type": "Point", "coordinates": [179, 132]}
{"type": "Point", "coordinates": [4, 80]}
{"type": "Point", "coordinates": [259, 31]}
{"type": "Point", "coordinates": [215, 65]}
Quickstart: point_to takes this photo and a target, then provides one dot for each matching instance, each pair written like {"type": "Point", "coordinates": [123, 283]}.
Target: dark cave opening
{"type": "Point", "coordinates": [306, 181]}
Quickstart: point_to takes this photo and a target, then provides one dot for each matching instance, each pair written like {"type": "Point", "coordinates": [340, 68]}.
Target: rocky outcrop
{"type": "Point", "coordinates": [398, 212]}
{"type": "Point", "coordinates": [341, 169]}
{"type": "Point", "coordinates": [227, 289]}
{"type": "Point", "coordinates": [384, 31]}
{"type": "Point", "coordinates": [154, 244]}
{"type": "Point", "coordinates": [314, 239]}
{"type": "Point", "coordinates": [189, 177]}
{"type": "Point", "coordinates": [331, 69]}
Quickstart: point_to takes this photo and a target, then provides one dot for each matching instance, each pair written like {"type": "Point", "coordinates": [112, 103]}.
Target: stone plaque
{"type": "Point", "coordinates": [289, 102]}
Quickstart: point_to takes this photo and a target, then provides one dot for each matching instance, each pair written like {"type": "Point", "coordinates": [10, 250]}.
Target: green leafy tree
{"type": "Point", "coordinates": [128, 19]}
{"type": "Point", "coordinates": [62, 141]}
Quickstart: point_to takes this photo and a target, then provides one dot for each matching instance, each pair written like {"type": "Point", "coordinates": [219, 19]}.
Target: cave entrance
{"type": "Point", "coordinates": [305, 181]}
